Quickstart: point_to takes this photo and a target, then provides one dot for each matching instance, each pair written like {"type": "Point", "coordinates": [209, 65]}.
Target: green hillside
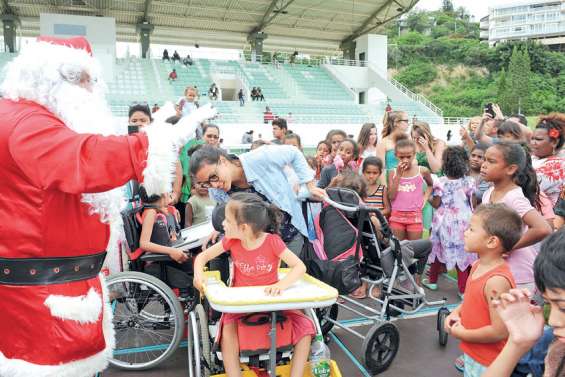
{"type": "Point", "coordinates": [439, 54]}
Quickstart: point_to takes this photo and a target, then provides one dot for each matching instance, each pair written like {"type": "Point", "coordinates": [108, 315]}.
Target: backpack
{"type": "Point", "coordinates": [334, 256]}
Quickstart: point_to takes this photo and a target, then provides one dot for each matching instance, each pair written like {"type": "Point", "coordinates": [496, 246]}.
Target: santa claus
{"type": "Point", "coordinates": [60, 209]}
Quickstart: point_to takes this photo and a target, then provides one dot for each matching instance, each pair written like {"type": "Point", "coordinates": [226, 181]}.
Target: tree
{"type": "Point", "coordinates": [502, 92]}
{"type": "Point", "coordinates": [519, 73]}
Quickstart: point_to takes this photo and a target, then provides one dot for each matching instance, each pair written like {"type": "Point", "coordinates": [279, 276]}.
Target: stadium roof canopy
{"type": "Point", "coordinates": [309, 26]}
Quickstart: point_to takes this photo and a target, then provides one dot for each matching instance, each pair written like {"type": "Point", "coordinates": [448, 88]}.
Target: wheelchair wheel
{"type": "Point", "coordinates": [201, 355]}
{"type": "Point", "coordinates": [328, 311]}
{"type": "Point", "coordinates": [441, 316]}
{"type": "Point", "coordinates": [380, 347]}
{"type": "Point", "coordinates": [148, 320]}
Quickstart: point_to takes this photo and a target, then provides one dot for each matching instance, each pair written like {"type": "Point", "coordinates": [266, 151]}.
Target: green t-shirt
{"type": "Point", "coordinates": [185, 163]}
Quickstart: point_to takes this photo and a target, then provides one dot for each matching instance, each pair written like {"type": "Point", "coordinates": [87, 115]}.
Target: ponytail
{"type": "Point", "coordinates": [261, 216]}
{"type": "Point", "coordinates": [275, 218]}
{"type": "Point", "coordinates": [525, 176]}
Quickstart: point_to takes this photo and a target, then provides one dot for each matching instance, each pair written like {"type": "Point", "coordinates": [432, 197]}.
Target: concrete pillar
{"type": "Point", "coordinates": [348, 49]}
{"type": "Point", "coordinates": [10, 22]}
{"type": "Point", "coordinates": [144, 30]}
{"type": "Point", "coordinates": [256, 41]}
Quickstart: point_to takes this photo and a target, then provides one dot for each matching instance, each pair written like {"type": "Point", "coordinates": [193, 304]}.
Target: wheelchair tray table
{"type": "Point", "coordinates": [306, 293]}
{"type": "Point", "coordinates": [193, 236]}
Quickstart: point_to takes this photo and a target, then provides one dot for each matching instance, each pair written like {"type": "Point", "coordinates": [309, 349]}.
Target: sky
{"type": "Point", "coordinates": [477, 8]}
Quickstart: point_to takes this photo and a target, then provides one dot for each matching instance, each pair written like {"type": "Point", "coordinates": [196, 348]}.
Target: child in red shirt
{"type": "Point", "coordinates": [494, 229]}
{"type": "Point", "coordinates": [256, 250]}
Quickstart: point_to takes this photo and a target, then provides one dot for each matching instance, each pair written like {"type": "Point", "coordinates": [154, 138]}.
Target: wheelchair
{"type": "Point", "coordinates": [151, 301]}
{"type": "Point", "coordinates": [389, 269]}
{"type": "Point", "coordinates": [204, 356]}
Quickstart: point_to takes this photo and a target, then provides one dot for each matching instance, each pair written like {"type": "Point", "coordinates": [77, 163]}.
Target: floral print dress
{"type": "Point", "coordinates": [450, 221]}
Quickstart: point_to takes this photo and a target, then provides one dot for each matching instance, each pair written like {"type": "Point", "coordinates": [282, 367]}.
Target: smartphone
{"type": "Point", "coordinates": [489, 110]}
{"type": "Point", "coordinates": [132, 129]}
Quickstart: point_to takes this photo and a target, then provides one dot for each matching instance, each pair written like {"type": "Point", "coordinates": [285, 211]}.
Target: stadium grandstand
{"type": "Point", "coordinates": [321, 64]}
{"type": "Point", "coordinates": [339, 78]}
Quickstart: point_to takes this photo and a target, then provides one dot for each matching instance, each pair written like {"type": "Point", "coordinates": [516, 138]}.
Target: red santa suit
{"type": "Point", "coordinates": [49, 327]}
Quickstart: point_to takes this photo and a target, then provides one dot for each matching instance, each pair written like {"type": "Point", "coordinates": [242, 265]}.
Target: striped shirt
{"type": "Point", "coordinates": [376, 199]}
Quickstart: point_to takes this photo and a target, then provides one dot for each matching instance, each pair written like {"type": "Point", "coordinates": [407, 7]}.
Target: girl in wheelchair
{"type": "Point", "coordinates": [160, 228]}
{"type": "Point", "coordinates": [251, 227]}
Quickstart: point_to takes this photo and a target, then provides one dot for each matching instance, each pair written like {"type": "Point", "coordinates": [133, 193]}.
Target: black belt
{"type": "Point", "coordinates": [45, 271]}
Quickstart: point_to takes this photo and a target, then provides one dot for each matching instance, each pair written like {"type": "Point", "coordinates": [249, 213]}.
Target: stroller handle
{"type": "Point", "coordinates": [343, 207]}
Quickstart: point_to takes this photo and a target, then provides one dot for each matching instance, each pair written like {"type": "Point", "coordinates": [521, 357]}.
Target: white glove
{"type": "Point", "coordinates": [185, 127]}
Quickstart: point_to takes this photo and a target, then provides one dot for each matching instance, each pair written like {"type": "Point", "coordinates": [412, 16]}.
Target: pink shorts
{"type": "Point", "coordinates": [408, 221]}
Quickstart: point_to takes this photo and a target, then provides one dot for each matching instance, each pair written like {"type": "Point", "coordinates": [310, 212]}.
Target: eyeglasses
{"type": "Point", "coordinates": [403, 120]}
{"type": "Point", "coordinates": [212, 178]}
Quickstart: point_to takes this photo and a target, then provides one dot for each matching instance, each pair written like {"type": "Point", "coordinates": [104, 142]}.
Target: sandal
{"type": "Point", "coordinates": [460, 364]}
{"type": "Point", "coordinates": [359, 293]}
{"type": "Point", "coordinates": [431, 286]}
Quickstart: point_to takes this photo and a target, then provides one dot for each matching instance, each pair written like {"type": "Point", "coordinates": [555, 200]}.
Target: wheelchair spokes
{"type": "Point", "coordinates": [148, 320]}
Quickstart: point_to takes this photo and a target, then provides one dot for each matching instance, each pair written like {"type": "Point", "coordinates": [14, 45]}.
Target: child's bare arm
{"type": "Point", "coordinates": [297, 270]}
{"type": "Point", "coordinates": [436, 201]}
{"type": "Point", "coordinates": [538, 229]}
{"type": "Point", "coordinates": [202, 259]}
{"type": "Point", "coordinates": [188, 215]}
{"type": "Point", "coordinates": [152, 247]}
{"type": "Point", "coordinates": [494, 332]}
{"type": "Point", "coordinates": [386, 203]}
{"type": "Point", "coordinates": [393, 182]}
{"type": "Point", "coordinates": [427, 175]}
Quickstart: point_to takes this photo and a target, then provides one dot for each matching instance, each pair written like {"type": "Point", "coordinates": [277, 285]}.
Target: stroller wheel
{"type": "Point", "coordinates": [327, 312]}
{"type": "Point", "coordinates": [441, 316]}
{"type": "Point", "coordinates": [380, 347]}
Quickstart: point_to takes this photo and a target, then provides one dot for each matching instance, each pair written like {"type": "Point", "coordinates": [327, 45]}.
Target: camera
{"type": "Point", "coordinates": [489, 110]}
{"type": "Point", "coordinates": [133, 129]}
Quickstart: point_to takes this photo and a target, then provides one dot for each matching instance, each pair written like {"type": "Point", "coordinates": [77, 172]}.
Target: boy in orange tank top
{"type": "Point", "coordinates": [493, 231]}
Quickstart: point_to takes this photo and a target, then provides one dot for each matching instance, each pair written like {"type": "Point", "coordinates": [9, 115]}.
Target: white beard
{"type": "Point", "coordinates": [87, 112]}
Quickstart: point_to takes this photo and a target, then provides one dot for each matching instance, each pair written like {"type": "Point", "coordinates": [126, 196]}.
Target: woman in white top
{"type": "Point", "coordinates": [367, 140]}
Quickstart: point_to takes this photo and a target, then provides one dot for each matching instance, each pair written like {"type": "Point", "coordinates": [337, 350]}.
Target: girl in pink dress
{"type": "Point", "coordinates": [251, 227]}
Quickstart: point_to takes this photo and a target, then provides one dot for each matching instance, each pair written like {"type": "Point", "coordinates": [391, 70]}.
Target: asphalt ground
{"type": "Point", "coordinates": [419, 353]}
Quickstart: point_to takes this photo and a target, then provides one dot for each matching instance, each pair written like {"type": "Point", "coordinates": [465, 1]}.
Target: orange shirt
{"type": "Point", "coordinates": [475, 313]}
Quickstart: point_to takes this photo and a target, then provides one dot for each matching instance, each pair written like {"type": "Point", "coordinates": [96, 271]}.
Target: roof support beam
{"type": "Point", "coordinates": [381, 22]}
{"type": "Point", "coordinates": [146, 10]}
{"type": "Point", "coordinates": [7, 8]}
{"type": "Point", "coordinates": [357, 32]}
{"type": "Point", "coordinates": [271, 14]}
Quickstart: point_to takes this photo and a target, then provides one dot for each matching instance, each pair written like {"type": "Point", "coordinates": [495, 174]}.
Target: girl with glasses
{"type": "Point", "coordinates": [261, 171]}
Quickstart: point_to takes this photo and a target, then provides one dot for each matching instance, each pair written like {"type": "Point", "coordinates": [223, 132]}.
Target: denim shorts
{"type": "Point", "coordinates": [472, 367]}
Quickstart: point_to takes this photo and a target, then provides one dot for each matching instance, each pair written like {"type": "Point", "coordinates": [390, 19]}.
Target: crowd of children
{"type": "Point", "coordinates": [494, 247]}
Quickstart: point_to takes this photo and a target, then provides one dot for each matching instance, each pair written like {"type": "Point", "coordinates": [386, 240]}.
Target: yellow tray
{"type": "Point", "coordinates": [306, 293]}
{"type": "Point", "coordinates": [284, 371]}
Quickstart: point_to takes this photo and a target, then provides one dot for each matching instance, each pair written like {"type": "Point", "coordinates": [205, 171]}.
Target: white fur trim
{"type": "Point", "coordinates": [162, 156]}
{"type": "Point", "coordinates": [78, 368]}
{"type": "Point", "coordinates": [84, 309]}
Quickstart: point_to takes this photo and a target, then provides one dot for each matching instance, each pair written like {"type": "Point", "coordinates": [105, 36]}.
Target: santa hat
{"type": "Point", "coordinates": [40, 66]}
{"type": "Point", "coordinates": [80, 43]}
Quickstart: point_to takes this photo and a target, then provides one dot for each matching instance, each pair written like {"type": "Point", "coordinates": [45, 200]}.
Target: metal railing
{"type": "Point", "coordinates": [417, 97]}
{"type": "Point", "coordinates": [414, 96]}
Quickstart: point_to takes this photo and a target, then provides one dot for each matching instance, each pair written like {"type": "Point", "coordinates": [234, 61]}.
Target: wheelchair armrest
{"type": "Point", "coordinates": [155, 257]}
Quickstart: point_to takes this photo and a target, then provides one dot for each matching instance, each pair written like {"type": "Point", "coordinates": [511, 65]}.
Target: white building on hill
{"type": "Point", "coordinates": [542, 20]}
